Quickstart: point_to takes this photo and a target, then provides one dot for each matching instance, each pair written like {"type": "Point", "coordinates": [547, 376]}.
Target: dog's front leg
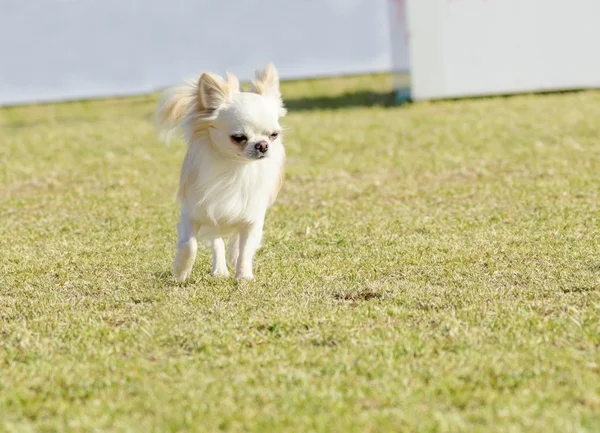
{"type": "Point", "coordinates": [250, 237]}
{"type": "Point", "coordinates": [187, 246]}
{"type": "Point", "coordinates": [219, 265]}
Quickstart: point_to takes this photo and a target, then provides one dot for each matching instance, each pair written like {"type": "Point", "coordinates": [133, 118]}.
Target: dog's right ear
{"type": "Point", "coordinates": [214, 92]}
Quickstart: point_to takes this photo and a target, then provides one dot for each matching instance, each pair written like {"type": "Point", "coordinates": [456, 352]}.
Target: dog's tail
{"type": "Point", "coordinates": [175, 104]}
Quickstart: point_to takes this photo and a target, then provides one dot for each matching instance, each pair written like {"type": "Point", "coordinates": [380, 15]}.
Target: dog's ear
{"type": "Point", "coordinates": [233, 84]}
{"type": "Point", "coordinates": [266, 83]}
{"type": "Point", "coordinates": [214, 92]}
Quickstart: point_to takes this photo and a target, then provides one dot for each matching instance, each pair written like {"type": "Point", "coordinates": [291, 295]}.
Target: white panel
{"type": "Point", "coordinates": [571, 44]}
{"type": "Point", "coordinates": [490, 46]}
{"type": "Point", "coordinates": [479, 47]}
{"type": "Point", "coordinates": [425, 42]}
{"type": "Point", "coordinates": [65, 49]}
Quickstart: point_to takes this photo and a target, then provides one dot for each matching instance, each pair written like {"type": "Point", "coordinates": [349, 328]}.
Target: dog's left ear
{"type": "Point", "coordinates": [214, 92]}
{"type": "Point", "coordinates": [266, 83]}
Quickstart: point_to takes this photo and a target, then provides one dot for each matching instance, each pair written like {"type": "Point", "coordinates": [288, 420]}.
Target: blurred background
{"type": "Point", "coordinates": [65, 49]}
{"type": "Point", "coordinates": [55, 50]}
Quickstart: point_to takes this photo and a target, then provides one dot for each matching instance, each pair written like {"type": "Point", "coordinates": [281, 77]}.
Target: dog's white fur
{"type": "Point", "coordinates": [226, 186]}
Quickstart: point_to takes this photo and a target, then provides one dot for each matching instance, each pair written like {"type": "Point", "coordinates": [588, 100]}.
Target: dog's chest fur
{"type": "Point", "coordinates": [224, 194]}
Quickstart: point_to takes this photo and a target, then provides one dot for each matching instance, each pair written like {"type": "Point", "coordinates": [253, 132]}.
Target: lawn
{"type": "Point", "coordinates": [430, 267]}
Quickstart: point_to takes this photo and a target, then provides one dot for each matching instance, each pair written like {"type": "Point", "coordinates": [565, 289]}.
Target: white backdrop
{"type": "Point", "coordinates": [481, 47]}
{"type": "Point", "coordinates": [65, 49]}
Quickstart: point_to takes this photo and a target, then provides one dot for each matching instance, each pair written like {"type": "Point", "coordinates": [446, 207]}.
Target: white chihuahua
{"type": "Point", "coordinates": [233, 169]}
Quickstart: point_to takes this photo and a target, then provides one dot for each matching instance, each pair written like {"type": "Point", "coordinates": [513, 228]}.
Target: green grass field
{"type": "Point", "coordinates": [431, 267]}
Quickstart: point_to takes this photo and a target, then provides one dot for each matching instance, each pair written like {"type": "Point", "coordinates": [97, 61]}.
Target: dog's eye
{"type": "Point", "coordinates": [274, 135]}
{"type": "Point", "coordinates": [239, 138]}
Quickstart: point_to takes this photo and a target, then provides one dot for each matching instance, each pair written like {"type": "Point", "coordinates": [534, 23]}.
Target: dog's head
{"type": "Point", "coordinates": [242, 124]}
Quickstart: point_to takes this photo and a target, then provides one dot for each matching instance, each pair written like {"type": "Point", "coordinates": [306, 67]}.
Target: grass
{"type": "Point", "coordinates": [432, 267]}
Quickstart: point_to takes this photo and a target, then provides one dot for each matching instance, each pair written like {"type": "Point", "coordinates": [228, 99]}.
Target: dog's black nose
{"type": "Point", "coordinates": [262, 146]}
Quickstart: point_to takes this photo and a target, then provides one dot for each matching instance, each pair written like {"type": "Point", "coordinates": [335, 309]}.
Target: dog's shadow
{"type": "Point", "coordinates": [165, 277]}
{"type": "Point", "coordinates": [200, 277]}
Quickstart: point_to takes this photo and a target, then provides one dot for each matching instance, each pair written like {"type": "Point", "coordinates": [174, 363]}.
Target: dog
{"type": "Point", "coordinates": [233, 169]}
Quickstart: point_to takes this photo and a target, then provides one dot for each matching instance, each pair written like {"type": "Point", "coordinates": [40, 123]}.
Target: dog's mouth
{"type": "Point", "coordinates": [258, 155]}
{"type": "Point", "coordinates": [255, 154]}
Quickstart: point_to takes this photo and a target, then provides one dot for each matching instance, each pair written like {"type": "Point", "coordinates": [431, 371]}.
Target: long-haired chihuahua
{"type": "Point", "coordinates": [233, 168]}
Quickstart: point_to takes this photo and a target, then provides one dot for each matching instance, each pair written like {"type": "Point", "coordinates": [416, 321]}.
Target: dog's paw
{"type": "Point", "coordinates": [220, 273]}
{"type": "Point", "coordinates": [244, 277]}
{"type": "Point", "coordinates": [181, 274]}
{"type": "Point", "coordinates": [182, 266]}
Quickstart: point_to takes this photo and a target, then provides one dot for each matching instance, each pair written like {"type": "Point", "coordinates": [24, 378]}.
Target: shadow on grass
{"type": "Point", "coordinates": [346, 100]}
{"type": "Point", "coordinates": [164, 276]}
{"type": "Point", "coordinates": [360, 295]}
{"type": "Point", "coordinates": [225, 286]}
{"type": "Point", "coordinates": [366, 98]}
{"type": "Point", "coordinates": [580, 289]}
